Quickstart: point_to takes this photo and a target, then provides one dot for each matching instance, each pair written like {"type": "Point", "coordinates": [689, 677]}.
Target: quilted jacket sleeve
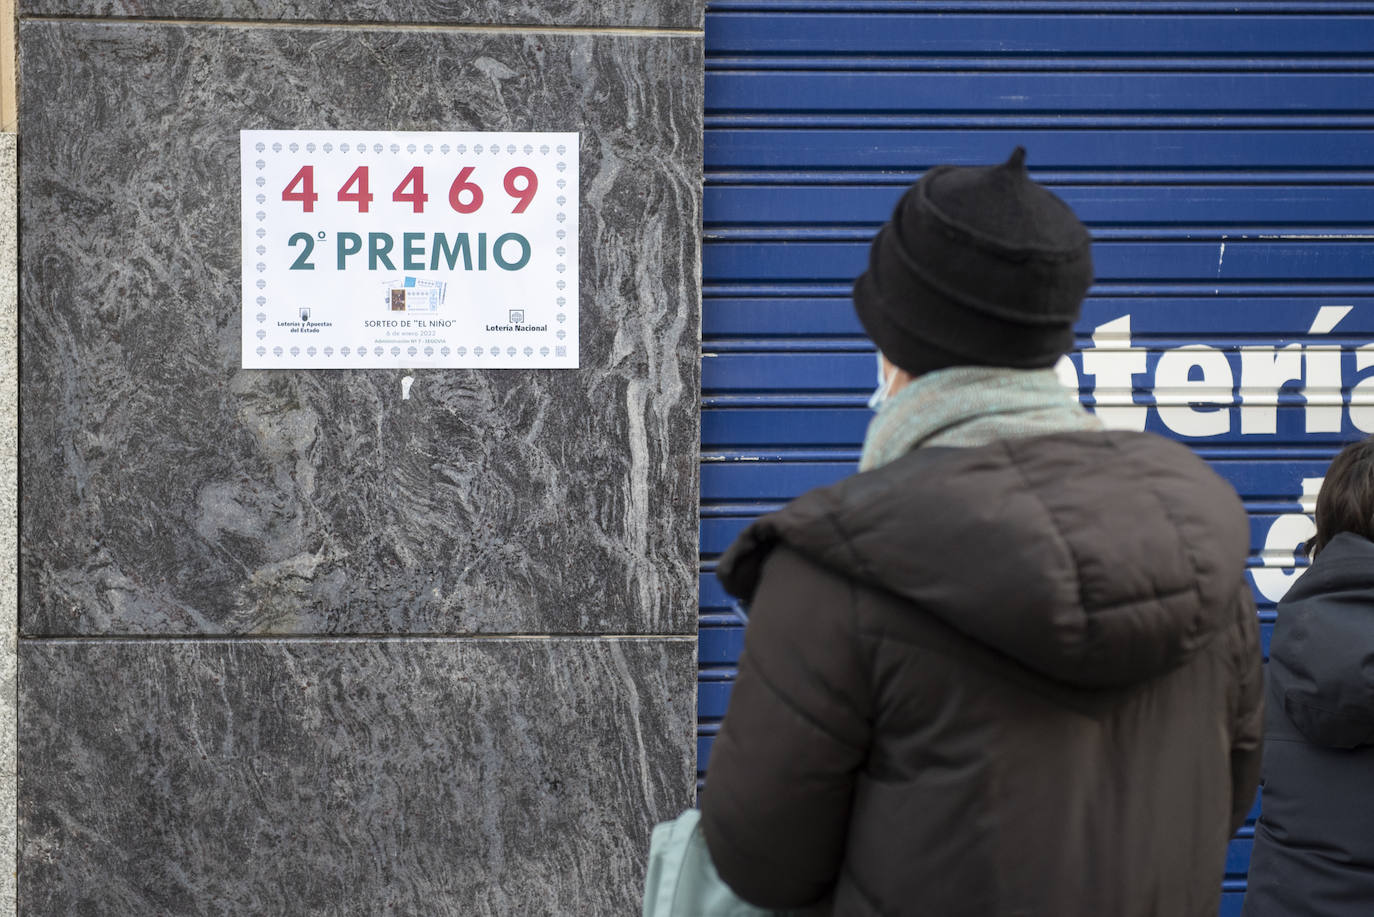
{"type": "Point", "coordinates": [1247, 730]}
{"type": "Point", "coordinates": [780, 782]}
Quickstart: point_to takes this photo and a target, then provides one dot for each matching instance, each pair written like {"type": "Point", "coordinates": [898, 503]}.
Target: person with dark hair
{"type": "Point", "coordinates": [1012, 667]}
{"type": "Point", "coordinates": [1314, 843]}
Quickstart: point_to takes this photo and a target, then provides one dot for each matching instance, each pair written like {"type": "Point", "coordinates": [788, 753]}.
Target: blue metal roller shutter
{"type": "Point", "coordinates": [1224, 161]}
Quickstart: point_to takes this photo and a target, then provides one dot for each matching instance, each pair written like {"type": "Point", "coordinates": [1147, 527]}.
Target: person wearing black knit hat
{"type": "Point", "coordinates": [1012, 667]}
{"type": "Point", "coordinates": [977, 267]}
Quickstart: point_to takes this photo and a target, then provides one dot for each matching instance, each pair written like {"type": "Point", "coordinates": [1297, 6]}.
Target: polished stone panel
{"type": "Point", "coordinates": [9, 508]}
{"type": "Point", "coordinates": [681, 14]}
{"type": "Point", "coordinates": [435, 777]}
{"type": "Point", "coordinates": [167, 491]}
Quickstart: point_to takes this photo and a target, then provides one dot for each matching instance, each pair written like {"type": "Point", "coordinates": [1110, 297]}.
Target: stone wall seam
{"type": "Point", "coordinates": [354, 638]}
{"type": "Point", "coordinates": [497, 28]}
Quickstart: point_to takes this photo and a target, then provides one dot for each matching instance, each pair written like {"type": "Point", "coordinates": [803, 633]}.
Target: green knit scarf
{"type": "Point", "coordinates": [972, 406]}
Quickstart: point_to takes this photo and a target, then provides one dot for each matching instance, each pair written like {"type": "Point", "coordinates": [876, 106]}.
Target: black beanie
{"type": "Point", "coordinates": [979, 266]}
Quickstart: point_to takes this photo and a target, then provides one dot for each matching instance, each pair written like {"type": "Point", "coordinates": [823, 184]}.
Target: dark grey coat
{"type": "Point", "coordinates": [1020, 680]}
{"type": "Point", "coordinates": [1314, 844]}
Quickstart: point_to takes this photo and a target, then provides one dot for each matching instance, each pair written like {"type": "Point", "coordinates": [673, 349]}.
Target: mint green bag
{"type": "Point", "coordinates": [682, 881]}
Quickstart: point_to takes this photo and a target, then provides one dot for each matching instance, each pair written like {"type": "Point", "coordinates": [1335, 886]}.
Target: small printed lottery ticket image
{"type": "Point", "coordinates": [413, 295]}
{"type": "Point", "coordinates": [392, 249]}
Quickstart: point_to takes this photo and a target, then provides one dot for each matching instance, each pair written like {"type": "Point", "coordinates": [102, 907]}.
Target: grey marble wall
{"type": "Point", "coordinates": [180, 494]}
{"type": "Point", "coordinates": [661, 14]}
{"type": "Point", "coordinates": [9, 508]}
{"type": "Point", "coordinates": [407, 777]}
{"type": "Point", "coordinates": [290, 644]}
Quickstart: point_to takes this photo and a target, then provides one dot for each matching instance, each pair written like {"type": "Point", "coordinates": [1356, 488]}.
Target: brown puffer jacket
{"type": "Point", "coordinates": [1021, 680]}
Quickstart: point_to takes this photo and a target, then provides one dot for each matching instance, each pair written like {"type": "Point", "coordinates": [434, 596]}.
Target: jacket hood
{"type": "Point", "coordinates": [1322, 655]}
{"type": "Point", "coordinates": [1096, 559]}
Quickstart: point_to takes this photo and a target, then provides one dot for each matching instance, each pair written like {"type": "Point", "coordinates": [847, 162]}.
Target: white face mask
{"type": "Point", "coordinates": [880, 393]}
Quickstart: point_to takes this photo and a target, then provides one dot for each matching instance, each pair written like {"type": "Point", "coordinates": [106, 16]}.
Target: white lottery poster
{"type": "Point", "coordinates": [393, 249]}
